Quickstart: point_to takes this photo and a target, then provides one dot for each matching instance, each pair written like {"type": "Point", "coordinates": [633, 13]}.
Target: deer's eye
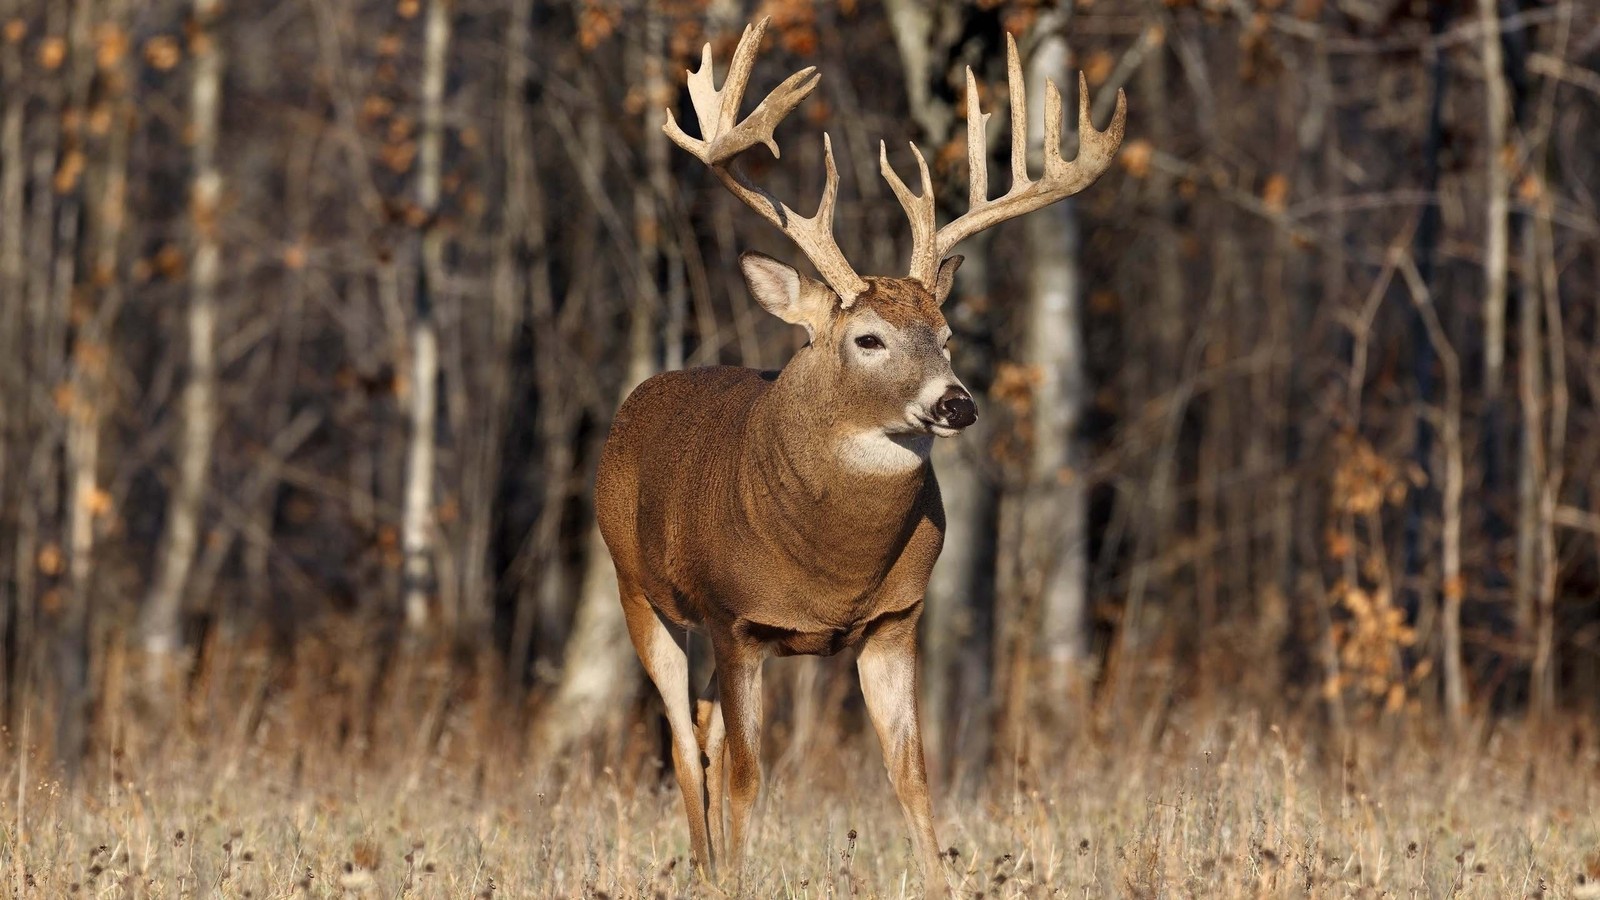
{"type": "Point", "coordinates": [869, 342]}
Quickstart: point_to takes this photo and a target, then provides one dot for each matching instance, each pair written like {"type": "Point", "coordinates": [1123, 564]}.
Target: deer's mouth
{"type": "Point", "coordinates": [935, 427]}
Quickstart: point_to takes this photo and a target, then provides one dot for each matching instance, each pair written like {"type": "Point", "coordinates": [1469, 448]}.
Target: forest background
{"type": "Point", "coordinates": [313, 316]}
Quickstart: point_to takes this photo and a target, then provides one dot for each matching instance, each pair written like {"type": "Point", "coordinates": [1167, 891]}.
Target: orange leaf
{"type": "Point", "coordinates": [99, 502]}
{"type": "Point", "coordinates": [67, 176]}
{"type": "Point", "coordinates": [1097, 68]}
{"type": "Point", "coordinates": [1135, 157]}
{"type": "Point", "coordinates": [52, 51]}
{"type": "Point", "coordinates": [112, 45]}
{"type": "Point", "coordinates": [1276, 193]}
{"type": "Point", "coordinates": [51, 560]}
{"type": "Point", "coordinates": [163, 52]}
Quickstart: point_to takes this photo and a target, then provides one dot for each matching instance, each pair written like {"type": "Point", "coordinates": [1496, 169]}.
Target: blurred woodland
{"type": "Point", "coordinates": [313, 315]}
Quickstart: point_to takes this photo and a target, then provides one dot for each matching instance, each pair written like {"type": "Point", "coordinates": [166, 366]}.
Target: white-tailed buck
{"type": "Point", "coordinates": [796, 512]}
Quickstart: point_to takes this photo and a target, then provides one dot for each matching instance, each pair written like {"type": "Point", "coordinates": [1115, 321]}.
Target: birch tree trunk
{"type": "Point", "coordinates": [105, 189]}
{"type": "Point", "coordinates": [1498, 190]}
{"type": "Point", "coordinates": [957, 633]}
{"type": "Point", "coordinates": [1496, 265]}
{"type": "Point", "coordinates": [1054, 540]}
{"type": "Point", "coordinates": [164, 608]}
{"type": "Point", "coordinates": [417, 518]}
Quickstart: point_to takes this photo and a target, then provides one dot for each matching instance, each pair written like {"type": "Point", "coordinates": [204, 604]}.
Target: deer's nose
{"type": "Point", "coordinates": [956, 408]}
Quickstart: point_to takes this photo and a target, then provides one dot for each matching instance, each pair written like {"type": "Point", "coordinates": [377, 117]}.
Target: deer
{"type": "Point", "coordinates": [796, 511]}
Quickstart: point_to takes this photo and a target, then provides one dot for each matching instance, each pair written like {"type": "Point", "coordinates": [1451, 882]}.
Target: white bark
{"type": "Point", "coordinates": [163, 610]}
{"type": "Point", "coordinates": [1497, 186]}
{"type": "Point", "coordinates": [417, 516]}
{"type": "Point", "coordinates": [1055, 528]}
{"type": "Point", "coordinates": [948, 623]}
{"type": "Point", "coordinates": [107, 189]}
{"type": "Point", "coordinates": [923, 31]}
{"type": "Point", "coordinates": [417, 528]}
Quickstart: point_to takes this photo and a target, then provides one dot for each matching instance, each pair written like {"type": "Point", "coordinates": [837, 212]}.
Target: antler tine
{"type": "Point", "coordinates": [744, 59]}
{"type": "Point", "coordinates": [977, 147]}
{"type": "Point", "coordinates": [1061, 179]}
{"type": "Point", "coordinates": [919, 210]}
{"type": "Point", "coordinates": [1052, 124]}
{"type": "Point", "coordinates": [1018, 90]}
{"type": "Point", "coordinates": [724, 137]}
{"type": "Point", "coordinates": [1096, 149]}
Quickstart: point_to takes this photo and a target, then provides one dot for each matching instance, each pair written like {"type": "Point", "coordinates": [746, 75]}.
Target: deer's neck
{"type": "Point", "coordinates": [826, 490]}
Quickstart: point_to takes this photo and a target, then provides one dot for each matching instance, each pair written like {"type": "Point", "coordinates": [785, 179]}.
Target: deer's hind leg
{"type": "Point", "coordinates": [664, 652]}
{"type": "Point", "coordinates": [713, 732]}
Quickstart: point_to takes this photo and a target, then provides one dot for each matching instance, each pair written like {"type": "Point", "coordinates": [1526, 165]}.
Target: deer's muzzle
{"type": "Point", "coordinates": [955, 409]}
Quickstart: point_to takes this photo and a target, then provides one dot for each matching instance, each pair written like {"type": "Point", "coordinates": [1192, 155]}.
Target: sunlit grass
{"type": "Point", "coordinates": [1224, 806]}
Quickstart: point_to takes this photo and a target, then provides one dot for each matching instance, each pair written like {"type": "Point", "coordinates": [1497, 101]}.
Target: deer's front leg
{"type": "Point", "coordinates": [888, 668]}
{"type": "Point", "coordinates": [739, 683]}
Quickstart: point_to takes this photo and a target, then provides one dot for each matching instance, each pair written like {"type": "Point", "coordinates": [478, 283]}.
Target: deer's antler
{"type": "Point", "coordinates": [1061, 179]}
{"type": "Point", "coordinates": [724, 138]}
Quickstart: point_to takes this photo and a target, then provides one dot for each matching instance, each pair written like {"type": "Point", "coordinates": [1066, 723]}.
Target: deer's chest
{"type": "Point", "coordinates": [799, 606]}
{"type": "Point", "coordinates": [791, 642]}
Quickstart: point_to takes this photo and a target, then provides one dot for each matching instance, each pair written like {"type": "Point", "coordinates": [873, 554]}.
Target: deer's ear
{"type": "Point", "coordinates": [786, 293]}
{"type": "Point", "coordinates": [947, 279]}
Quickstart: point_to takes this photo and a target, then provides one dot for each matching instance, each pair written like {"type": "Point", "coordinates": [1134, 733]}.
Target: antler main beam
{"type": "Point", "coordinates": [724, 137]}
{"type": "Point", "coordinates": [1061, 179]}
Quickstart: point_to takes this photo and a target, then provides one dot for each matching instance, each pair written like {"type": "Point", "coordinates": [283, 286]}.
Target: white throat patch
{"type": "Point", "coordinates": [874, 452]}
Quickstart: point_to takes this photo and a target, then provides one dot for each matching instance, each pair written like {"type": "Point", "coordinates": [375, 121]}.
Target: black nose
{"type": "Point", "coordinates": [956, 408]}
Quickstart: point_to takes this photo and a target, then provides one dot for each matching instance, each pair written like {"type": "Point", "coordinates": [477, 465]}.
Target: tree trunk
{"type": "Point", "coordinates": [1497, 188]}
{"type": "Point", "coordinates": [164, 608]}
{"type": "Point", "coordinates": [956, 620]}
{"type": "Point", "coordinates": [1532, 462]}
{"type": "Point", "coordinates": [1055, 536]}
{"type": "Point", "coordinates": [1543, 675]}
{"type": "Point", "coordinates": [417, 518]}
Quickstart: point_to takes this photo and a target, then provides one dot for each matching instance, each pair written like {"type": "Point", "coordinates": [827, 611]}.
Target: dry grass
{"type": "Point", "coordinates": [1220, 805]}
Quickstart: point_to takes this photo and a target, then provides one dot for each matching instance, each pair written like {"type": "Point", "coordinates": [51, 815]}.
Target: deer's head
{"type": "Point", "coordinates": [883, 341]}
{"type": "Point", "coordinates": [888, 351]}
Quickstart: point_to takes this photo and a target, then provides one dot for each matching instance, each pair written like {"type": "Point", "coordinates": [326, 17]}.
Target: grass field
{"type": "Point", "coordinates": [1226, 805]}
